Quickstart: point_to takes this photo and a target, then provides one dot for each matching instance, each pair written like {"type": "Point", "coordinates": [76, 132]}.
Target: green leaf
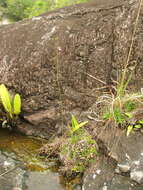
{"type": "Point", "coordinates": [141, 121]}
{"type": "Point", "coordinates": [5, 99]}
{"type": "Point", "coordinates": [82, 124]}
{"type": "Point", "coordinates": [129, 129]}
{"type": "Point", "coordinates": [76, 125]}
{"type": "Point", "coordinates": [107, 115]}
{"type": "Point", "coordinates": [130, 106]}
{"type": "Point", "coordinates": [70, 129]}
{"type": "Point", "coordinates": [129, 115]}
{"type": "Point", "coordinates": [74, 121]}
{"type": "Point", "coordinates": [138, 126]}
{"type": "Point", "coordinates": [17, 104]}
{"type": "Point", "coordinates": [119, 116]}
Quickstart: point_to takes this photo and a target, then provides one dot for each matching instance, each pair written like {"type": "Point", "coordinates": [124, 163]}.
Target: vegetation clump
{"type": "Point", "coordinates": [80, 149]}
{"type": "Point", "coordinates": [120, 110]}
{"type": "Point", "coordinates": [118, 107]}
{"type": "Point", "coordinates": [21, 9]}
{"type": "Point", "coordinates": [76, 150]}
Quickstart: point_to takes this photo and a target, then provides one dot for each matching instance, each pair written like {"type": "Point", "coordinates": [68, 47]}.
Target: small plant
{"type": "Point", "coordinates": [120, 108]}
{"type": "Point", "coordinates": [12, 106]}
{"type": "Point", "coordinates": [138, 125]}
{"type": "Point", "coordinates": [75, 125]}
{"type": "Point", "coordinates": [120, 111]}
{"type": "Point", "coordinates": [79, 150]}
{"type": "Point", "coordinates": [130, 106]}
{"type": "Point", "coordinates": [120, 104]}
{"type": "Point", "coordinates": [75, 150]}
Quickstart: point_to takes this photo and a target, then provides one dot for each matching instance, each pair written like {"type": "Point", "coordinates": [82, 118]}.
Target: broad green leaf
{"type": "Point", "coordinates": [141, 121]}
{"type": "Point", "coordinates": [129, 129]}
{"type": "Point", "coordinates": [5, 99]}
{"type": "Point", "coordinates": [17, 104]}
{"type": "Point", "coordinates": [138, 126]}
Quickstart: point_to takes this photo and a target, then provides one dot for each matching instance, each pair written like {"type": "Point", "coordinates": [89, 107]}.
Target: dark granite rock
{"type": "Point", "coordinates": [57, 60]}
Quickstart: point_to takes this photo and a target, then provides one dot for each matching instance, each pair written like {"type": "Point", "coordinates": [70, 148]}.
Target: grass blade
{"type": "Point", "coordinates": [82, 124]}
{"type": "Point", "coordinates": [74, 123]}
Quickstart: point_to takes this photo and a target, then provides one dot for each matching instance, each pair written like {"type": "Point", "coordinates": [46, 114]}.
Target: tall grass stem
{"type": "Point", "coordinates": [123, 84]}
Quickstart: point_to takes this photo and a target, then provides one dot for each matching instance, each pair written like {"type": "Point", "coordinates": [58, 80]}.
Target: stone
{"type": "Point", "coordinates": [137, 176]}
{"type": "Point", "coordinates": [129, 151]}
{"type": "Point", "coordinates": [93, 180]}
{"type": "Point", "coordinates": [63, 59]}
{"type": "Point", "coordinates": [124, 167]}
{"type": "Point", "coordinates": [42, 181]}
{"type": "Point", "coordinates": [11, 172]}
{"type": "Point", "coordinates": [61, 62]}
{"type": "Point", "coordinates": [107, 180]}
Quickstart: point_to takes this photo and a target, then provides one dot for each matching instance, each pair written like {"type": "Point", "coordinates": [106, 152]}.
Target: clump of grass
{"type": "Point", "coordinates": [120, 112]}
{"type": "Point", "coordinates": [118, 106]}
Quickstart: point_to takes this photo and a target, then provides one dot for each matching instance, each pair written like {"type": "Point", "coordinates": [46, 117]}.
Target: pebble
{"type": "Point", "coordinates": [78, 187]}
{"type": "Point", "coordinates": [94, 176]}
{"type": "Point", "coordinates": [141, 130]}
{"type": "Point", "coordinates": [124, 168]}
{"type": "Point", "coordinates": [137, 176]}
{"type": "Point", "coordinates": [98, 171]}
{"type": "Point", "coordinates": [104, 187]}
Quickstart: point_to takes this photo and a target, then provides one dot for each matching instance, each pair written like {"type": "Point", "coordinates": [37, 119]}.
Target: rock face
{"type": "Point", "coordinates": [124, 169]}
{"type": "Point", "coordinates": [107, 180]}
{"type": "Point", "coordinates": [60, 61]}
{"type": "Point", "coordinates": [14, 176]}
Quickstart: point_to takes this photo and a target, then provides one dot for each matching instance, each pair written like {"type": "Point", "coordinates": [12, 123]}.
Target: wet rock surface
{"type": "Point", "coordinates": [97, 175]}
{"type": "Point", "coordinates": [11, 173]}
{"type": "Point", "coordinates": [125, 157]}
{"type": "Point", "coordinates": [21, 169]}
{"type": "Point", "coordinates": [107, 179]}
{"type": "Point", "coordinates": [43, 181]}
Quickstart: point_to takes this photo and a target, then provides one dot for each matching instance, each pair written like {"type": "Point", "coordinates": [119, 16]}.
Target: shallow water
{"type": "Point", "coordinates": [20, 163]}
